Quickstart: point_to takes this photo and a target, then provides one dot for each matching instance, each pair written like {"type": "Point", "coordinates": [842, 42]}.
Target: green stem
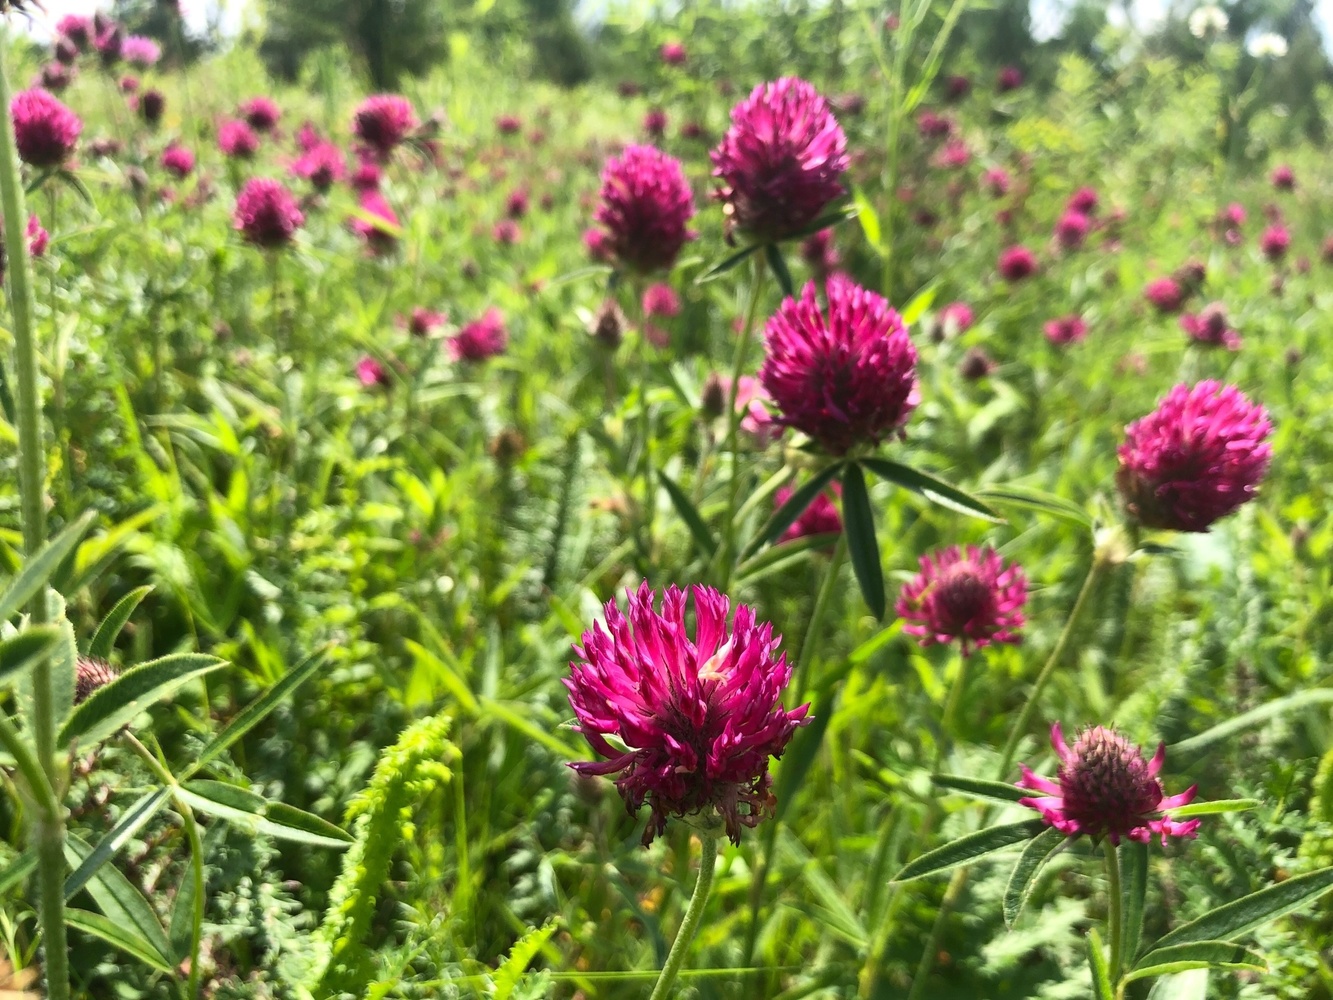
{"type": "Point", "coordinates": [694, 912]}
{"type": "Point", "coordinates": [1115, 914]}
{"type": "Point", "coordinates": [950, 900]}
{"type": "Point", "coordinates": [49, 829]}
{"type": "Point", "coordinates": [822, 601]}
{"type": "Point", "coordinates": [951, 709]}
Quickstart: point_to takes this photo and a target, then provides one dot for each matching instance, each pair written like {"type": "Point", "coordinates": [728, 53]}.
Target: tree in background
{"type": "Point", "coordinates": [161, 21]}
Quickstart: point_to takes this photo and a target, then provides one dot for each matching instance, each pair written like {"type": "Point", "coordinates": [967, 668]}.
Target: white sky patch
{"type": "Point", "coordinates": [198, 14]}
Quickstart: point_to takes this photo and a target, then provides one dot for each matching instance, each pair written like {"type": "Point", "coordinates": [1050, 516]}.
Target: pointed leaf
{"type": "Point", "coordinates": [1038, 851]}
{"type": "Point", "coordinates": [39, 569]}
{"type": "Point", "coordinates": [969, 848]}
{"type": "Point", "coordinates": [148, 806]}
{"type": "Point", "coordinates": [117, 703]}
{"type": "Point", "coordinates": [783, 557]}
{"type": "Point", "coordinates": [104, 639]}
{"type": "Point", "coordinates": [121, 902]}
{"type": "Point", "coordinates": [1134, 874]}
{"type": "Point", "coordinates": [18, 870]}
{"type": "Point", "coordinates": [703, 538]}
{"type": "Point", "coordinates": [1037, 501]}
{"type": "Point", "coordinates": [859, 525]}
{"type": "Point", "coordinates": [257, 814]}
{"type": "Point", "coordinates": [1181, 986]}
{"type": "Point", "coordinates": [118, 936]}
{"type": "Point", "coordinates": [1255, 716]}
{"type": "Point", "coordinates": [21, 651]}
{"type": "Point", "coordinates": [1101, 976]}
{"type": "Point", "coordinates": [1198, 955]}
{"type": "Point", "coordinates": [1250, 911]}
{"type": "Point", "coordinates": [785, 516]}
{"type": "Point", "coordinates": [869, 219]}
{"type": "Point", "coordinates": [921, 301]}
{"type": "Point", "coordinates": [1214, 807]}
{"type": "Point", "coordinates": [937, 491]}
{"type": "Point", "coordinates": [981, 788]}
{"type": "Point", "coordinates": [727, 263]}
{"type": "Point", "coordinates": [773, 254]}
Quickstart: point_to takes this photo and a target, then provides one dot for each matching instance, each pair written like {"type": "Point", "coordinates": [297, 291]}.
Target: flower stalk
{"type": "Point", "coordinates": [703, 886]}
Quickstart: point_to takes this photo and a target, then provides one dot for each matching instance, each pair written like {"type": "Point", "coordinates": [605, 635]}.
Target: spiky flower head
{"type": "Point", "coordinates": [1196, 458]}
{"type": "Point", "coordinates": [1166, 294]}
{"type": "Point", "coordinates": [1106, 789]}
{"type": "Point", "coordinates": [1084, 200]}
{"type": "Point", "coordinates": [177, 161]}
{"type": "Point", "coordinates": [1283, 177]}
{"type": "Point", "coordinates": [847, 377]}
{"type": "Point", "coordinates": [780, 161]}
{"type": "Point", "coordinates": [645, 203]}
{"type": "Point", "coordinates": [1066, 329]}
{"type": "Point", "coordinates": [1209, 327]}
{"type": "Point", "coordinates": [44, 128]}
{"type": "Point", "coordinates": [686, 719]}
{"type": "Point", "coordinates": [91, 673]}
{"type": "Point", "coordinates": [970, 596]}
{"type": "Point", "coordinates": [483, 338]}
{"type": "Point", "coordinates": [322, 164]}
{"type": "Point", "coordinates": [140, 52]}
{"type": "Point", "coordinates": [1071, 229]}
{"type": "Point", "coordinates": [260, 113]}
{"type": "Point", "coordinates": [1275, 241]}
{"type": "Point", "coordinates": [237, 140]}
{"type": "Point", "coordinates": [266, 213]}
{"type": "Point", "coordinates": [383, 121]}
{"type": "Point", "coordinates": [1017, 263]}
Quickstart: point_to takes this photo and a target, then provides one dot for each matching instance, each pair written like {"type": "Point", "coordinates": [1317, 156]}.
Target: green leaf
{"type": "Point", "coordinates": [703, 538]}
{"type": "Point", "coordinates": [1191, 985]}
{"type": "Point", "coordinates": [1101, 977]}
{"type": "Point", "coordinates": [122, 903]}
{"type": "Point", "coordinates": [970, 847]}
{"type": "Point", "coordinates": [800, 755]}
{"type": "Point", "coordinates": [773, 254]}
{"type": "Point", "coordinates": [1039, 850]}
{"type": "Point", "coordinates": [785, 516]}
{"type": "Point", "coordinates": [935, 490]}
{"type": "Point", "coordinates": [116, 704]}
{"type": "Point", "coordinates": [1255, 716]}
{"type": "Point", "coordinates": [18, 870]}
{"type": "Point", "coordinates": [255, 813]}
{"type": "Point", "coordinates": [783, 557]}
{"type": "Point", "coordinates": [257, 710]}
{"type": "Point", "coordinates": [520, 956]}
{"type": "Point", "coordinates": [39, 569]}
{"type": "Point", "coordinates": [104, 639]}
{"type": "Point", "coordinates": [1197, 955]}
{"type": "Point", "coordinates": [118, 936]}
{"type": "Point", "coordinates": [1250, 911]}
{"type": "Point", "coordinates": [148, 806]}
{"type": "Point", "coordinates": [859, 526]}
{"type": "Point", "coordinates": [1134, 876]}
{"type": "Point", "coordinates": [727, 263]}
{"type": "Point", "coordinates": [1037, 501]}
{"type": "Point", "coordinates": [20, 651]}
{"type": "Point", "coordinates": [922, 301]}
{"type": "Point", "coordinates": [1215, 807]}
{"type": "Point", "coordinates": [981, 788]}
{"type": "Point", "coordinates": [869, 219]}
{"type": "Point", "coordinates": [874, 644]}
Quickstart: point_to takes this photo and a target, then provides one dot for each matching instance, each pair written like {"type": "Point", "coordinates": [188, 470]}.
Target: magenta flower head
{"type": "Point", "coordinates": [1104, 788]}
{"type": "Point", "coordinates": [1166, 294]}
{"type": "Point", "coordinates": [377, 224]}
{"type": "Point", "coordinates": [1066, 329]}
{"type": "Point", "coordinates": [645, 205]}
{"type": "Point", "coordinates": [508, 124]}
{"type": "Point", "coordinates": [237, 140]}
{"type": "Point", "coordinates": [1284, 178]}
{"type": "Point", "coordinates": [481, 339]}
{"type": "Point", "coordinates": [370, 373]}
{"type": "Point", "coordinates": [260, 113]}
{"type": "Point", "coordinates": [108, 39]}
{"type": "Point", "coordinates": [383, 121]}
{"type": "Point", "coordinates": [152, 106]}
{"type": "Point", "coordinates": [996, 181]}
{"type": "Point", "coordinates": [140, 52]}
{"type": "Point", "coordinates": [177, 161]}
{"type": "Point", "coordinates": [1209, 327]}
{"type": "Point", "coordinates": [77, 29]}
{"type": "Point", "coordinates": [1071, 229]}
{"type": "Point", "coordinates": [1084, 200]}
{"type": "Point", "coordinates": [44, 128]}
{"type": "Point", "coordinates": [820, 518]}
{"type": "Point", "coordinates": [686, 722]}
{"type": "Point", "coordinates": [846, 379]}
{"type": "Point", "coordinates": [661, 301]}
{"type": "Point", "coordinates": [973, 597]}
{"type": "Point", "coordinates": [673, 53]}
{"type": "Point", "coordinates": [55, 77]}
{"type": "Point", "coordinates": [1010, 78]}
{"type": "Point", "coordinates": [423, 321]}
{"type": "Point", "coordinates": [955, 318]}
{"type": "Point", "coordinates": [266, 213]}
{"type": "Point", "coordinates": [655, 123]}
{"type": "Point", "coordinates": [1017, 263]}
{"type": "Point", "coordinates": [780, 161]}
{"type": "Point", "coordinates": [322, 165]}
{"type": "Point", "coordinates": [366, 176]}
{"type": "Point", "coordinates": [1196, 458]}
{"type": "Point", "coordinates": [1275, 241]}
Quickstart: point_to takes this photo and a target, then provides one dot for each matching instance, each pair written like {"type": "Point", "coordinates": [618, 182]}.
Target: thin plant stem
{"type": "Point", "coordinates": [49, 827]}
{"type": "Point", "coordinates": [1115, 912]}
{"type": "Point", "coordinates": [703, 885]}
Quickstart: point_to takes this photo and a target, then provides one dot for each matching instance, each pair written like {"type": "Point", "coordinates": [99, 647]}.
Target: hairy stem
{"type": "Point", "coordinates": [703, 885]}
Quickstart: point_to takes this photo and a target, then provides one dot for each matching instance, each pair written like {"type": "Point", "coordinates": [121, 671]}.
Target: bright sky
{"type": "Point", "coordinates": [197, 12]}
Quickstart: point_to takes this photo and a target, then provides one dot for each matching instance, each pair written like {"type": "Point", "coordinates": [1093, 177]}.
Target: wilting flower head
{"type": "Point", "coordinates": [1066, 329]}
{"type": "Point", "coordinates": [1209, 327]}
{"type": "Point", "coordinates": [1165, 294]}
{"type": "Point", "coordinates": [237, 140]}
{"type": "Point", "coordinates": [1071, 229]}
{"type": "Point", "coordinates": [976, 364]}
{"type": "Point", "coordinates": [91, 673]}
{"type": "Point", "coordinates": [260, 113]}
{"type": "Point", "coordinates": [377, 224]}
{"type": "Point", "coordinates": [45, 129]}
{"type": "Point", "coordinates": [383, 121]}
{"type": "Point", "coordinates": [321, 164]}
{"type": "Point", "coordinates": [972, 596]}
{"type": "Point", "coordinates": [77, 29]}
{"type": "Point", "coordinates": [686, 722]}
{"type": "Point", "coordinates": [266, 213]}
{"type": "Point", "coordinates": [481, 339]}
{"type": "Point", "coordinates": [780, 160]}
{"type": "Point", "coordinates": [140, 52]}
{"type": "Point", "coordinates": [1207, 20]}
{"type": "Point", "coordinates": [1017, 263]}
{"type": "Point", "coordinates": [1275, 241]}
{"type": "Point", "coordinates": [370, 372]}
{"type": "Point", "coordinates": [820, 518]}
{"type": "Point", "coordinates": [152, 105]}
{"type": "Point", "coordinates": [1010, 78]}
{"type": "Point", "coordinates": [1283, 178]}
{"type": "Point", "coordinates": [673, 53]}
{"type": "Point", "coordinates": [661, 301]}
{"type": "Point", "coordinates": [845, 379]}
{"type": "Point", "coordinates": [645, 205]}
{"type": "Point", "coordinates": [1105, 788]}
{"type": "Point", "coordinates": [608, 325]}
{"type": "Point", "coordinates": [1196, 458]}
{"type": "Point", "coordinates": [177, 160]}
{"type": "Point", "coordinates": [1268, 45]}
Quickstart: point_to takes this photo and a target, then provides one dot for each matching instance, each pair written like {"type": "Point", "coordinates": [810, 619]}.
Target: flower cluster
{"type": "Point", "coordinates": [970, 596]}
{"type": "Point", "coordinates": [645, 206]}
